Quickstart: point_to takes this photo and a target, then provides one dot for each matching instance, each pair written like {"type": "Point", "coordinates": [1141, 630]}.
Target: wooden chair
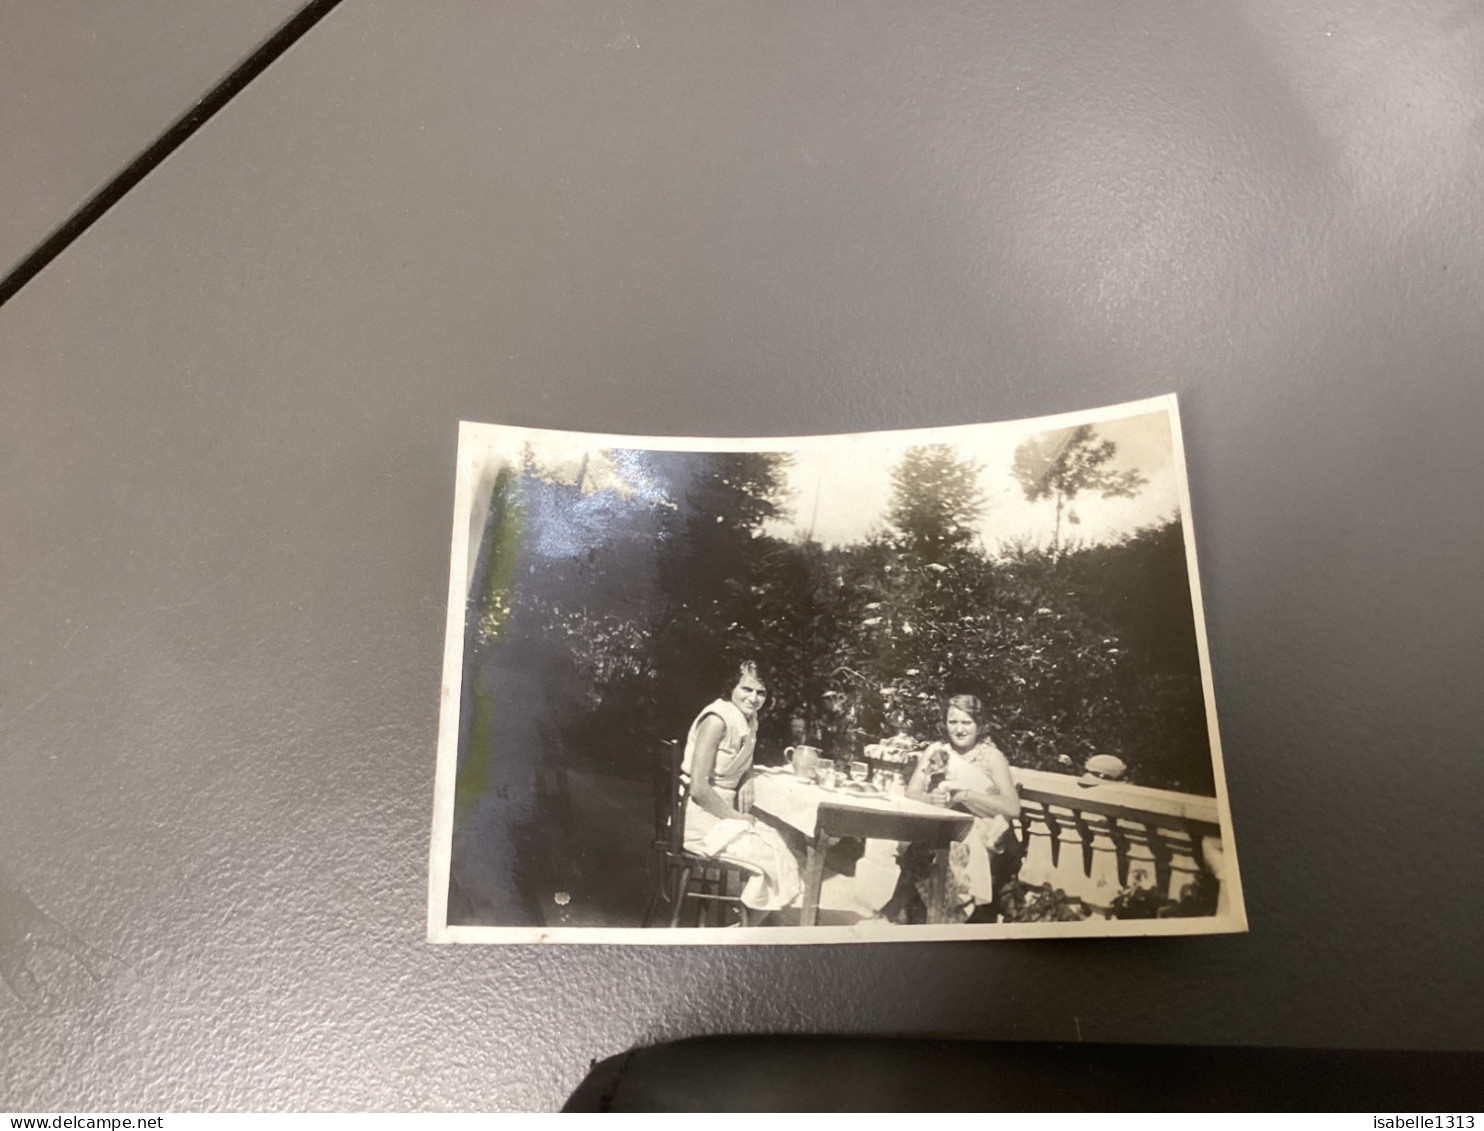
{"type": "Point", "coordinates": [684, 879]}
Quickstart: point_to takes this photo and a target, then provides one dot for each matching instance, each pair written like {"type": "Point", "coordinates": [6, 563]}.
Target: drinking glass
{"type": "Point", "coordinates": [859, 772]}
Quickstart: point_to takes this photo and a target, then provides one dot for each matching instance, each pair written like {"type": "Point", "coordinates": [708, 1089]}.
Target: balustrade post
{"type": "Point", "coordinates": [1215, 857]}
{"type": "Point", "coordinates": [1143, 870]}
{"type": "Point", "coordinates": [1070, 874]}
{"type": "Point", "coordinates": [1183, 866]}
{"type": "Point", "coordinates": [1102, 873]}
{"type": "Point", "coordinates": [1039, 865]}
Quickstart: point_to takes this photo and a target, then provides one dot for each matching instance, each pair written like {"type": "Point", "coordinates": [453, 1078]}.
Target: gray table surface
{"type": "Point", "coordinates": [85, 85]}
{"type": "Point", "coordinates": [228, 426]}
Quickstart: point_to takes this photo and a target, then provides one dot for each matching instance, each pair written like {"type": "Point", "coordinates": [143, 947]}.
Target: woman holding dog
{"type": "Point", "coordinates": [967, 772]}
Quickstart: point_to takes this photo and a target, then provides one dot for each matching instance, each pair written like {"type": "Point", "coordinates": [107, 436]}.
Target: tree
{"type": "Point", "coordinates": [1060, 465]}
{"type": "Point", "coordinates": [709, 551]}
{"type": "Point", "coordinates": [935, 500]}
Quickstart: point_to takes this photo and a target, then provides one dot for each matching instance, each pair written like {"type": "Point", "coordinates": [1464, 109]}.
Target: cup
{"type": "Point", "coordinates": [803, 759]}
{"type": "Point", "coordinates": [859, 772]}
{"type": "Point", "coordinates": [824, 773]}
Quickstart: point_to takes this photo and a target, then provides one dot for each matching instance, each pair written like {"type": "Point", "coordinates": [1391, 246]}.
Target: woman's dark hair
{"type": "Point", "coordinates": [736, 669]}
{"type": "Point", "coordinates": [970, 705]}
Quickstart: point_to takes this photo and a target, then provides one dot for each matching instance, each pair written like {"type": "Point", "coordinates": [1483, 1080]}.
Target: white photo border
{"type": "Point", "coordinates": [476, 444]}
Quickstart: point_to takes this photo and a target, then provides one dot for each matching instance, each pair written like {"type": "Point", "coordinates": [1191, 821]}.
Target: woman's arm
{"type": "Point", "coordinates": [1003, 801]}
{"type": "Point", "coordinates": [703, 760]}
{"type": "Point", "coordinates": [917, 787]}
{"type": "Point", "coordinates": [746, 793]}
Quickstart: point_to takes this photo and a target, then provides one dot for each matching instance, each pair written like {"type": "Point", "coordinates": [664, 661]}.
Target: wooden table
{"type": "Point", "coordinates": [824, 815]}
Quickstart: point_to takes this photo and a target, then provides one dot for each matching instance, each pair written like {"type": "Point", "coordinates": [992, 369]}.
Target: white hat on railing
{"type": "Point", "coordinates": [1102, 768]}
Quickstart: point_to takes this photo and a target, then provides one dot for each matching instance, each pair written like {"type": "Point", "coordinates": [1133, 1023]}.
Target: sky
{"type": "Point", "coordinates": [845, 500]}
{"type": "Point", "coordinates": [839, 487]}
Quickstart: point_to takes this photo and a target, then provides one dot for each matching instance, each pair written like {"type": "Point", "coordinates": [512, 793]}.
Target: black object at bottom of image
{"type": "Point", "coordinates": [794, 1073]}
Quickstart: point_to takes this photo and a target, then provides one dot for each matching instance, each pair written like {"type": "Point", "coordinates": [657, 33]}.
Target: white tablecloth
{"type": "Point", "coordinates": [795, 802]}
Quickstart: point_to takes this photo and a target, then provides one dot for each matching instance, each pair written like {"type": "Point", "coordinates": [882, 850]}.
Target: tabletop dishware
{"type": "Point", "coordinates": [803, 759]}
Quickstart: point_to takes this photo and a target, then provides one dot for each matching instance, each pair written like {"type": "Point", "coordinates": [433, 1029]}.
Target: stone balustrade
{"type": "Point", "coordinates": [1092, 841]}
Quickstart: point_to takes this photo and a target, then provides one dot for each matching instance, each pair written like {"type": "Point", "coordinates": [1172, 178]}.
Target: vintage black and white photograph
{"type": "Point", "coordinates": [934, 684]}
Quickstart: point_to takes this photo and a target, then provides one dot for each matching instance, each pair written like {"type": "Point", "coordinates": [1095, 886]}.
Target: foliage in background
{"type": "Point", "coordinates": [626, 601]}
{"type": "Point", "coordinates": [1198, 899]}
{"type": "Point", "coordinates": [1022, 903]}
{"type": "Point", "coordinates": [935, 501]}
{"type": "Point", "coordinates": [1060, 465]}
{"type": "Point", "coordinates": [486, 614]}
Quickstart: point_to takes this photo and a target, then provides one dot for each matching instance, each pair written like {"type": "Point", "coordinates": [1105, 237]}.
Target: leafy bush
{"type": "Point", "coordinates": [1022, 903]}
{"type": "Point", "coordinates": [1198, 899]}
{"type": "Point", "coordinates": [1139, 903]}
{"type": "Point", "coordinates": [624, 601]}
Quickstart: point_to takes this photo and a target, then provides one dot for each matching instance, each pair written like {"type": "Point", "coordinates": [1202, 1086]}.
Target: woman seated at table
{"type": "Point", "coordinates": [718, 820]}
{"type": "Point", "coordinates": [968, 772]}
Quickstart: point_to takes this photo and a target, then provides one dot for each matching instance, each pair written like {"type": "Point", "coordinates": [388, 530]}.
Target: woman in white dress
{"type": "Point", "coordinates": [969, 773]}
{"type": "Point", "coordinates": [718, 818]}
